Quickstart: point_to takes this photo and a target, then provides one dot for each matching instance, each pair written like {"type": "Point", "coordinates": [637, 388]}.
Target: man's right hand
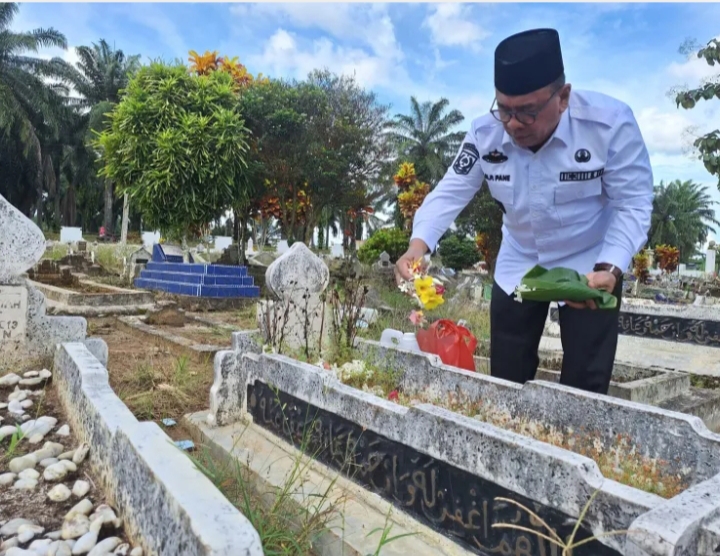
{"type": "Point", "coordinates": [403, 266]}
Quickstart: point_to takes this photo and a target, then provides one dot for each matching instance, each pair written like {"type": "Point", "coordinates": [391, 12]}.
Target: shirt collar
{"type": "Point", "coordinates": [562, 131]}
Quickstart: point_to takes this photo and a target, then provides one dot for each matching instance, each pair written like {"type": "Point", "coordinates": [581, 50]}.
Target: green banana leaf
{"type": "Point", "coordinates": [561, 284]}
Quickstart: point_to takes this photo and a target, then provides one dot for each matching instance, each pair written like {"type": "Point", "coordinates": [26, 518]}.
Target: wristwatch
{"type": "Point", "coordinates": [609, 268]}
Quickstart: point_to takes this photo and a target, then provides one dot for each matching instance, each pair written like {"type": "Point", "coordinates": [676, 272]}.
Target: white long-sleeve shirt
{"type": "Point", "coordinates": [584, 198]}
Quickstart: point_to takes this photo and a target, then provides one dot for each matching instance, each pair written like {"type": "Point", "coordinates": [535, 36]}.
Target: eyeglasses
{"type": "Point", "coordinates": [526, 118]}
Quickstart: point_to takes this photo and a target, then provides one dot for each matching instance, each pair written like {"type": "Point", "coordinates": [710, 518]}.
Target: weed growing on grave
{"type": "Point", "coordinates": [620, 461]}
{"type": "Point", "coordinates": [552, 536]}
{"type": "Point", "coordinates": [153, 392]}
{"type": "Point", "coordinates": [294, 517]}
{"type": "Point", "coordinates": [347, 302]}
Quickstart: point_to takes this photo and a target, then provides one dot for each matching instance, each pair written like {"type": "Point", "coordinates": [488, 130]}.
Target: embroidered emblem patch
{"type": "Point", "coordinates": [495, 157]}
{"type": "Point", "coordinates": [466, 159]}
{"type": "Point", "coordinates": [582, 155]}
{"type": "Point", "coordinates": [581, 176]}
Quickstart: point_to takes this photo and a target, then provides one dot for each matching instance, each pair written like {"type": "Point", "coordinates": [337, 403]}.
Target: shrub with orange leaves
{"type": "Point", "coordinates": [641, 263]}
{"type": "Point", "coordinates": [667, 257]}
{"type": "Point", "coordinates": [203, 64]}
{"type": "Point", "coordinates": [405, 177]}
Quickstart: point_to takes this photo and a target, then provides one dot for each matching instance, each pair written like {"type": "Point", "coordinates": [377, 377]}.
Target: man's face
{"type": "Point", "coordinates": [538, 114]}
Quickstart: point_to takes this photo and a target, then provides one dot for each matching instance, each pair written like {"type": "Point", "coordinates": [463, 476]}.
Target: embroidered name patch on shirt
{"type": "Point", "coordinates": [581, 176]}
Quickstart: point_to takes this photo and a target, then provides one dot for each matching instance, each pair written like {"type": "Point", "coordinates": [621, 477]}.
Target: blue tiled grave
{"type": "Point", "coordinates": [167, 272]}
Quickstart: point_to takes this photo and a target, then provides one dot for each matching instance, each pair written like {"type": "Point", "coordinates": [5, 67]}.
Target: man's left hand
{"type": "Point", "coordinates": [601, 280]}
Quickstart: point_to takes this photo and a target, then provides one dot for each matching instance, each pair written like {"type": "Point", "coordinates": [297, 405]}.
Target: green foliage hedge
{"type": "Point", "coordinates": [391, 240]}
{"type": "Point", "coordinates": [458, 252]}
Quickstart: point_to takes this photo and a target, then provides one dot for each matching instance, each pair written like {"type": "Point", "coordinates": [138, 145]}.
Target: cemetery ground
{"type": "Point", "coordinates": [161, 365]}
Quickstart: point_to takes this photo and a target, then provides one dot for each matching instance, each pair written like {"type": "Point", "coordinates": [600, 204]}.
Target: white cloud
{"type": "Point", "coordinates": [369, 25]}
{"type": "Point", "coordinates": [664, 131]}
{"type": "Point", "coordinates": [283, 55]}
{"type": "Point", "coordinates": [451, 25]}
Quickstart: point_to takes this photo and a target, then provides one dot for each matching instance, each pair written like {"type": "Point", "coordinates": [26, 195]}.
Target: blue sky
{"type": "Point", "coordinates": [629, 51]}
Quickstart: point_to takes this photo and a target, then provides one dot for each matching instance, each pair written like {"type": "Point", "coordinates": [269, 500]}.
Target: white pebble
{"type": "Point", "coordinates": [107, 515]}
{"type": "Point", "coordinates": [63, 431]}
{"type": "Point", "coordinates": [26, 404]}
{"type": "Point", "coordinates": [48, 462]}
{"type": "Point", "coordinates": [137, 551]}
{"type": "Point", "coordinates": [29, 474]}
{"type": "Point", "coordinates": [25, 484]}
{"type": "Point", "coordinates": [59, 493]}
{"type": "Point", "coordinates": [18, 395]}
{"type": "Point", "coordinates": [3, 405]}
{"type": "Point", "coordinates": [66, 455]}
{"type": "Point", "coordinates": [10, 379]}
{"type": "Point", "coordinates": [7, 430]}
{"type": "Point", "coordinates": [22, 463]}
{"type": "Point", "coordinates": [28, 532]}
{"type": "Point", "coordinates": [9, 543]}
{"type": "Point", "coordinates": [84, 507]}
{"type": "Point", "coordinates": [86, 543]}
{"type": "Point", "coordinates": [45, 373]}
{"type": "Point", "coordinates": [55, 472]}
{"type": "Point", "coordinates": [41, 425]}
{"type": "Point", "coordinates": [12, 526]}
{"type": "Point", "coordinates": [6, 479]}
{"type": "Point", "coordinates": [31, 381]}
{"type": "Point", "coordinates": [62, 548]}
{"type": "Point", "coordinates": [75, 527]}
{"type": "Point", "coordinates": [80, 454]}
{"type": "Point", "coordinates": [54, 535]}
{"type": "Point", "coordinates": [16, 408]}
{"type": "Point", "coordinates": [49, 450]}
{"type": "Point", "coordinates": [70, 466]}
{"type": "Point", "coordinates": [105, 546]}
{"type": "Point", "coordinates": [31, 374]}
{"type": "Point", "coordinates": [20, 552]}
{"type": "Point", "coordinates": [40, 546]}
{"type": "Point", "coordinates": [81, 488]}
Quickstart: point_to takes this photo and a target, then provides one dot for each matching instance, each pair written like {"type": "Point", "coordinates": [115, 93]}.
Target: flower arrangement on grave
{"type": "Point", "coordinates": [424, 289]}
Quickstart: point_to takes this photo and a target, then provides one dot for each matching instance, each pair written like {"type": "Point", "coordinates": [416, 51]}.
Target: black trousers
{"type": "Point", "coordinates": [589, 339]}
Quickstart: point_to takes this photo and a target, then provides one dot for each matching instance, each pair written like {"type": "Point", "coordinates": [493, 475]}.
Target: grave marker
{"type": "Point", "coordinates": [13, 313]}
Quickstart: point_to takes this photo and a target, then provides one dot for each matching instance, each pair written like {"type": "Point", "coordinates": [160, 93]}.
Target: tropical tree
{"type": "Point", "coordinates": [425, 137]}
{"type": "Point", "coordinates": [99, 77]}
{"type": "Point", "coordinates": [683, 215]}
{"type": "Point", "coordinates": [483, 219]}
{"type": "Point", "coordinates": [177, 144]}
{"type": "Point", "coordinates": [30, 113]}
{"type": "Point", "coordinates": [708, 145]}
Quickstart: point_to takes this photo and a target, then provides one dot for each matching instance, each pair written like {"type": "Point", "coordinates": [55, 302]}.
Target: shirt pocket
{"type": "Point", "coordinates": [578, 201]}
{"type": "Point", "coordinates": [504, 193]}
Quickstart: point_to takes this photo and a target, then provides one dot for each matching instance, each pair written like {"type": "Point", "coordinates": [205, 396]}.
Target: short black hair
{"type": "Point", "coordinates": [559, 82]}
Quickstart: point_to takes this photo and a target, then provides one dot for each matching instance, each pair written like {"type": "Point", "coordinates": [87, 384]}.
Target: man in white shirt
{"type": "Point", "coordinates": [572, 175]}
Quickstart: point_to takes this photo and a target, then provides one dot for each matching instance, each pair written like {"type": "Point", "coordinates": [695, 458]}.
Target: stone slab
{"type": "Point", "coordinates": [658, 354]}
{"type": "Point", "coordinates": [170, 507]}
{"type": "Point", "coordinates": [22, 243]}
{"type": "Point", "coordinates": [112, 295]}
{"type": "Point", "coordinates": [360, 512]}
{"type": "Point", "coordinates": [138, 324]}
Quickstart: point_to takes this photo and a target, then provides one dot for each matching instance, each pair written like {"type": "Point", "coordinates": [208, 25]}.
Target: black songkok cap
{"type": "Point", "coordinates": [528, 61]}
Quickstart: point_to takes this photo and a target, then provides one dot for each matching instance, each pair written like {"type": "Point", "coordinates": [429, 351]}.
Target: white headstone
{"type": "Point", "coordinates": [149, 239]}
{"type": "Point", "coordinates": [13, 313]}
{"type": "Point", "coordinates": [250, 246]}
{"type": "Point", "coordinates": [222, 243]}
{"type": "Point", "coordinates": [70, 235]}
{"type": "Point", "coordinates": [710, 261]}
{"type": "Point", "coordinates": [336, 250]}
{"type": "Point", "coordinates": [22, 243]}
{"type": "Point", "coordinates": [298, 317]}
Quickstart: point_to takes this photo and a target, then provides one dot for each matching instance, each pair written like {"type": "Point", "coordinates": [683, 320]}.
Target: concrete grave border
{"type": "Point", "coordinates": [648, 517]}
{"type": "Point", "coordinates": [169, 506]}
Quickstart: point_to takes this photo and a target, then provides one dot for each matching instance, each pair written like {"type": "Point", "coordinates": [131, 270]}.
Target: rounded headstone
{"type": "Point", "coordinates": [296, 272]}
{"type": "Point", "coordinates": [22, 243]}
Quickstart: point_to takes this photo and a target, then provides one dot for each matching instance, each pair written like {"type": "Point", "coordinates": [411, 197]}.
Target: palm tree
{"type": "Point", "coordinates": [30, 111]}
{"type": "Point", "coordinates": [99, 77]}
{"type": "Point", "coordinates": [424, 137]}
{"type": "Point", "coordinates": [682, 216]}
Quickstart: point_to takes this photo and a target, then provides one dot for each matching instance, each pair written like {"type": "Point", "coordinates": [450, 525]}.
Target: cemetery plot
{"type": "Point", "coordinates": [49, 500]}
